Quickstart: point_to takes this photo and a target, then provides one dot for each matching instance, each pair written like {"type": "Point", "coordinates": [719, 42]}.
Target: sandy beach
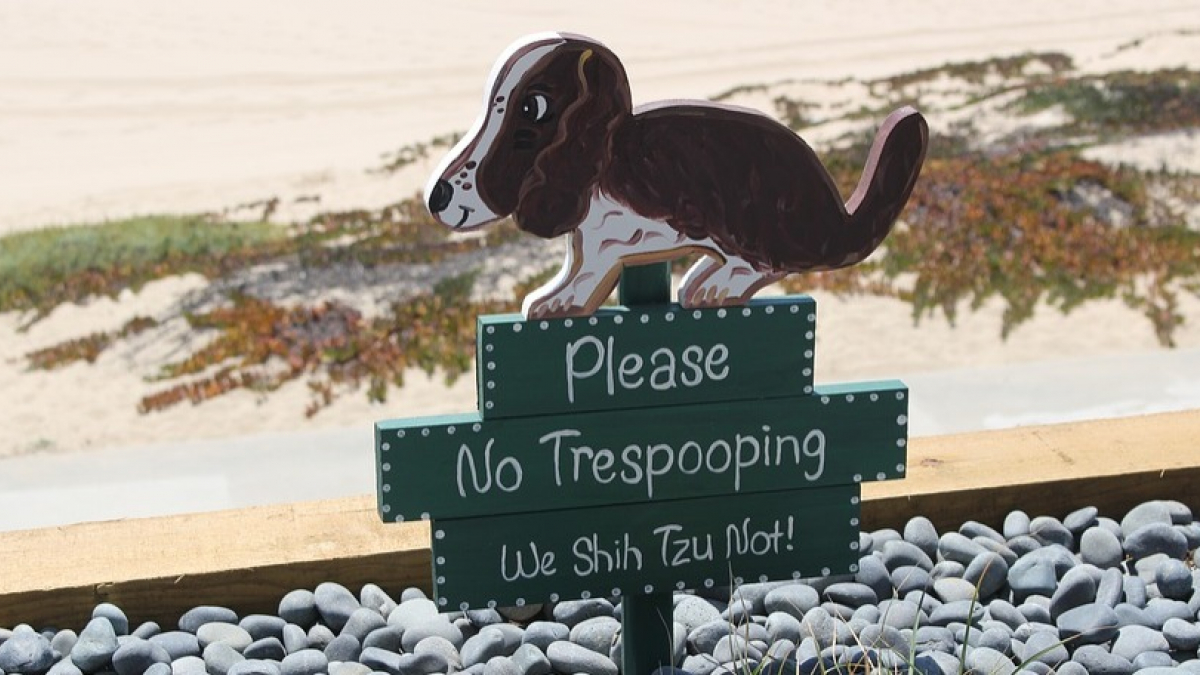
{"type": "Point", "coordinates": [116, 107]}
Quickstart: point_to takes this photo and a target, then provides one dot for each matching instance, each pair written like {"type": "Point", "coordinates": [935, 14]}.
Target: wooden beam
{"type": "Point", "coordinates": [246, 559]}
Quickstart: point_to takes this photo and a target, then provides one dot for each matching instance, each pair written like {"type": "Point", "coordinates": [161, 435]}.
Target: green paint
{"type": "Point", "coordinates": [635, 357]}
{"type": "Point", "coordinates": [635, 549]}
{"type": "Point", "coordinates": [647, 627]}
{"type": "Point", "coordinates": [645, 284]}
{"type": "Point", "coordinates": [461, 466]}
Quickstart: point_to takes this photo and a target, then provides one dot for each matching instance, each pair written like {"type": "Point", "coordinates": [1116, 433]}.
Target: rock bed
{"type": "Point", "coordinates": [1084, 594]}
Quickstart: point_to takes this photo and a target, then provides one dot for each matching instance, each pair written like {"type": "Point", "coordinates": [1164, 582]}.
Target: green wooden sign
{"type": "Point", "coordinates": [657, 355]}
{"type": "Point", "coordinates": [634, 450]}
{"type": "Point", "coordinates": [632, 549]}
{"type": "Point", "coordinates": [462, 465]}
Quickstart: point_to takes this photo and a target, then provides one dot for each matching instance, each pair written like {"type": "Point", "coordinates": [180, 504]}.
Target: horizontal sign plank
{"type": "Point", "coordinates": [631, 549]}
{"type": "Point", "coordinates": [462, 466]}
{"type": "Point", "coordinates": [623, 357]}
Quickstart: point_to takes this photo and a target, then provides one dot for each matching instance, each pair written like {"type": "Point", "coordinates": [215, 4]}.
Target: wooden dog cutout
{"type": "Point", "coordinates": [560, 147]}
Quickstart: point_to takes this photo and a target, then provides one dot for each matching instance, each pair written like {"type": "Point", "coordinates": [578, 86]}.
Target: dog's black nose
{"type": "Point", "coordinates": [439, 196]}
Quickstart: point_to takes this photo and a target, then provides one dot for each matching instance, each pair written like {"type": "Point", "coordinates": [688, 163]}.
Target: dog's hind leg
{"type": "Point", "coordinates": [713, 282]}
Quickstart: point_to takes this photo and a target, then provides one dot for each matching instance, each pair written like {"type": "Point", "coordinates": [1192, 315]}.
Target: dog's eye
{"type": "Point", "coordinates": [535, 108]}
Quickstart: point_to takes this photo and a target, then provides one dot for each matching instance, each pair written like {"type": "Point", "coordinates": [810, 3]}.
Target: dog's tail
{"type": "Point", "coordinates": [887, 180]}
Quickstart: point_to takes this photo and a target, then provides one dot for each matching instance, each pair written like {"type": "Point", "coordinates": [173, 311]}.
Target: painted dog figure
{"type": "Point", "coordinates": [560, 147]}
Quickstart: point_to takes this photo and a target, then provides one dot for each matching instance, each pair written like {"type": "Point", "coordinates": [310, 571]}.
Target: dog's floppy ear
{"type": "Point", "coordinates": [554, 199]}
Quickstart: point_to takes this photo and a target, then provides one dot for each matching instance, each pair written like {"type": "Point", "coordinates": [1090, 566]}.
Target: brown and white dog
{"type": "Point", "coordinates": [560, 147]}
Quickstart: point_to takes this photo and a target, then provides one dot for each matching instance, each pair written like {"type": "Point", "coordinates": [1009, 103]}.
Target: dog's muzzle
{"type": "Point", "coordinates": [440, 196]}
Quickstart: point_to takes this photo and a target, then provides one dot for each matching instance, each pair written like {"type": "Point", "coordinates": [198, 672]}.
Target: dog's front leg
{"type": "Point", "coordinates": [587, 277]}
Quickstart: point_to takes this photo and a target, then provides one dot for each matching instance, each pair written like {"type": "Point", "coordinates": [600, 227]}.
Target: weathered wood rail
{"type": "Point", "coordinates": [157, 568]}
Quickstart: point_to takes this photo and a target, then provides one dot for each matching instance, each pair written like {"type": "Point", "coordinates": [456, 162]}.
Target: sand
{"type": "Point", "coordinates": [113, 108]}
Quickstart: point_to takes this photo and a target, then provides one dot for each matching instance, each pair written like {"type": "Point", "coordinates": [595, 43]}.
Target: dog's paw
{"type": "Point", "coordinates": [555, 308]}
{"type": "Point", "coordinates": [708, 296]}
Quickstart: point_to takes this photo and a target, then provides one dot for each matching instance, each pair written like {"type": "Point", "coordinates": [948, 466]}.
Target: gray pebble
{"type": "Point", "coordinates": [1081, 519]}
{"type": "Point", "coordinates": [67, 667]}
{"type": "Point", "coordinates": [255, 667]}
{"type": "Point", "coordinates": [137, 655]}
{"type": "Point", "coordinates": [1076, 588]}
{"type": "Point", "coordinates": [1133, 640]}
{"type": "Point", "coordinates": [703, 639]}
{"type": "Point", "coordinates": [910, 578]}
{"type": "Point", "coordinates": [1016, 524]}
{"type": "Point", "coordinates": [266, 649]}
{"type": "Point", "coordinates": [985, 660]}
{"type": "Point", "coordinates": [988, 572]}
{"type": "Point", "coordinates": [921, 532]}
{"type": "Point", "coordinates": [1097, 661]}
{"type": "Point", "coordinates": [442, 647]}
{"type": "Point", "coordinates": [961, 611]}
{"type": "Point", "coordinates": [412, 593]}
{"type": "Point", "coordinates": [1155, 538]}
{"type": "Point", "coordinates": [973, 529]}
{"type": "Point", "coordinates": [1088, 624]}
{"type": "Point", "coordinates": [571, 612]}
{"type": "Point", "coordinates": [361, 622]}
{"type": "Point", "coordinates": [381, 660]}
{"type": "Point", "coordinates": [542, 633]}
{"type": "Point", "coordinates": [482, 647]}
{"type": "Point", "coordinates": [1135, 591]}
{"type": "Point", "coordinates": [738, 611]}
{"type": "Point", "coordinates": [1182, 635]}
{"type": "Point", "coordinates": [597, 634]}
{"type": "Point", "coordinates": [483, 617]}
{"type": "Point", "coordinates": [1045, 647]}
{"type": "Point", "coordinates": [198, 616]}
{"type": "Point", "coordinates": [1174, 579]}
{"type": "Point", "coordinates": [850, 594]}
{"type": "Point", "coordinates": [1032, 576]}
{"type": "Point", "coordinates": [956, 547]}
{"type": "Point", "coordinates": [734, 647]}
{"type": "Point", "coordinates": [344, 647]}
{"type": "Point", "coordinates": [756, 595]}
{"type": "Point", "coordinates": [699, 664]}
{"type": "Point", "coordinates": [1160, 610]}
{"type": "Point", "coordinates": [294, 638]}
{"type": "Point", "coordinates": [63, 641]}
{"type": "Point", "coordinates": [26, 653]}
{"type": "Point", "coordinates": [877, 636]}
{"type": "Point", "coordinates": [305, 662]}
{"type": "Point", "coordinates": [1144, 514]}
{"type": "Point", "coordinates": [1149, 662]}
{"type": "Point", "coordinates": [567, 657]}
{"type": "Point", "coordinates": [438, 626]}
{"type": "Point", "coordinates": [217, 631]}
{"type": "Point", "coordinates": [114, 615]}
{"type": "Point", "coordinates": [261, 626]}
{"type": "Point", "coordinates": [219, 657]}
{"type": "Point", "coordinates": [904, 553]}
{"type": "Point", "coordinates": [188, 665]}
{"type": "Point", "coordinates": [501, 665]}
{"type": "Point", "coordinates": [1049, 530]}
{"type": "Point", "coordinates": [147, 630]}
{"type": "Point", "coordinates": [335, 604]}
{"type": "Point", "coordinates": [1111, 588]}
{"type": "Point", "coordinates": [873, 574]}
{"type": "Point", "coordinates": [946, 569]}
{"type": "Point", "coordinates": [1100, 547]}
{"type": "Point", "coordinates": [783, 626]}
{"type": "Point", "coordinates": [953, 589]}
{"type": "Point", "coordinates": [94, 649]}
{"type": "Point", "coordinates": [319, 637]}
{"type": "Point", "coordinates": [375, 598]}
{"type": "Point", "coordinates": [1023, 545]}
{"type": "Point", "coordinates": [299, 607]}
{"type": "Point", "coordinates": [386, 638]}
{"type": "Point", "coordinates": [1004, 612]}
{"type": "Point", "coordinates": [693, 611]}
{"type": "Point", "coordinates": [1191, 533]}
{"type": "Point", "coordinates": [1010, 556]}
{"type": "Point", "coordinates": [794, 599]}
{"type": "Point", "coordinates": [412, 612]}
